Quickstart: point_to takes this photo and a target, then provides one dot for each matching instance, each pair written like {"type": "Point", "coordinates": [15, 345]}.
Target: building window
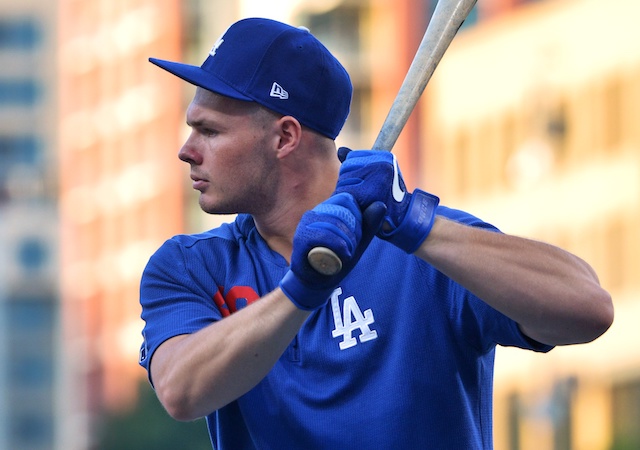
{"type": "Point", "coordinates": [29, 369]}
{"type": "Point", "coordinates": [536, 417]}
{"type": "Point", "coordinates": [626, 415]}
{"type": "Point", "coordinates": [31, 430]}
{"type": "Point", "coordinates": [30, 316]}
{"type": "Point", "coordinates": [20, 34]}
{"type": "Point", "coordinates": [612, 113]}
{"type": "Point", "coordinates": [338, 29]}
{"type": "Point", "coordinates": [24, 149]}
{"type": "Point", "coordinates": [514, 418]}
{"type": "Point", "coordinates": [357, 120]}
{"type": "Point", "coordinates": [33, 254]}
{"type": "Point", "coordinates": [19, 92]}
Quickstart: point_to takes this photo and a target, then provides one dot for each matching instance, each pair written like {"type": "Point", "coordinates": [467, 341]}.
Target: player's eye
{"type": "Point", "coordinates": [208, 132]}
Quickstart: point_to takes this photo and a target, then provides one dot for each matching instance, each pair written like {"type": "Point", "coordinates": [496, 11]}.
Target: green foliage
{"type": "Point", "coordinates": [148, 426]}
{"type": "Point", "coordinates": [622, 443]}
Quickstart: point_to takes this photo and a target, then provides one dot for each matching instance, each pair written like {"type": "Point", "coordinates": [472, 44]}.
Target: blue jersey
{"type": "Point", "coordinates": [401, 357]}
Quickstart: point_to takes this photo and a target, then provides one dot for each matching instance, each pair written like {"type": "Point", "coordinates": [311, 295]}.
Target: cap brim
{"type": "Point", "coordinates": [199, 77]}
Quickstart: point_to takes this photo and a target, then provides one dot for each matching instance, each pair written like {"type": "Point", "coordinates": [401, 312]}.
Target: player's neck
{"type": "Point", "coordinates": [278, 225]}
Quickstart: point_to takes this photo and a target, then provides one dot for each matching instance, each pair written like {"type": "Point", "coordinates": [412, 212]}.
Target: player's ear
{"type": "Point", "coordinates": [290, 135]}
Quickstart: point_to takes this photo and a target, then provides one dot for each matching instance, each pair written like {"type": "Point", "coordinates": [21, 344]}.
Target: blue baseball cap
{"type": "Point", "coordinates": [283, 68]}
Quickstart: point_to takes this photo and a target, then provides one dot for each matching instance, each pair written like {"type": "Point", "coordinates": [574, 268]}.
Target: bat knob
{"type": "Point", "coordinates": [324, 261]}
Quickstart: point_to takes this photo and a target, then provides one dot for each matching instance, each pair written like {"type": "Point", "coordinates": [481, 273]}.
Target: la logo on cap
{"type": "Point", "coordinates": [216, 46]}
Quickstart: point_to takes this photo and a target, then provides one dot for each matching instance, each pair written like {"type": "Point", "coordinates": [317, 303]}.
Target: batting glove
{"type": "Point", "coordinates": [374, 176]}
{"type": "Point", "coordinates": [337, 224]}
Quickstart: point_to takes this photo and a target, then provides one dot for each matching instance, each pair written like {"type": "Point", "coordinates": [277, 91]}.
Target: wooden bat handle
{"type": "Point", "coordinates": [324, 261]}
{"type": "Point", "coordinates": [447, 19]}
{"type": "Point", "coordinates": [443, 26]}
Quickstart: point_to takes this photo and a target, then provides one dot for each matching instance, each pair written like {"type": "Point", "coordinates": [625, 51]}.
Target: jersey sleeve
{"type": "Point", "coordinates": [176, 298]}
{"type": "Point", "coordinates": [481, 325]}
{"type": "Point", "coordinates": [484, 327]}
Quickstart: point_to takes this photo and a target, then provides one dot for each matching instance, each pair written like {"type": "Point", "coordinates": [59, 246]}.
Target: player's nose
{"type": "Point", "coordinates": [188, 152]}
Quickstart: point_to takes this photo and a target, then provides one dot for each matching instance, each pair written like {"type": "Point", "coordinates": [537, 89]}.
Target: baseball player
{"type": "Point", "coordinates": [396, 350]}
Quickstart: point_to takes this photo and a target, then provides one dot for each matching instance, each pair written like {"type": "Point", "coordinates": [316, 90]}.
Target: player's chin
{"type": "Point", "coordinates": [212, 206]}
{"type": "Point", "coordinates": [207, 205]}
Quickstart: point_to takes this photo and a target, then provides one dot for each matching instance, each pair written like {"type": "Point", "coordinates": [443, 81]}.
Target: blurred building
{"type": "Point", "coordinates": [119, 123]}
{"type": "Point", "coordinates": [531, 123]}
{"type": "Point", "coordinates": [29, 300]}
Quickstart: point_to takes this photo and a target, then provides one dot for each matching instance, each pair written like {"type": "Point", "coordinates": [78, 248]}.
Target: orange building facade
{"type": "Point", "coordinates": [120, 192]}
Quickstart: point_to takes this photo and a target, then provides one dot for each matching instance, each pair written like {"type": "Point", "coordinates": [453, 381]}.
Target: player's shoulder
{"type": "Point", "coordinates": [222, 240]}
{"type": "Point", "coordinates": [213, 249]}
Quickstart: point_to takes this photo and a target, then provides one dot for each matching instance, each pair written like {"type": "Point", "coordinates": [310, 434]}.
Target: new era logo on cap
{"type": "Point", "coordinates": [278, 92]}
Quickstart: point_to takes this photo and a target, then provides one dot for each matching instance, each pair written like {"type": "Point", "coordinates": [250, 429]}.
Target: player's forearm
{"type": "Point", "coordinates": [199, 373]}
{"type": "Point", "coordinates": [554, 296]}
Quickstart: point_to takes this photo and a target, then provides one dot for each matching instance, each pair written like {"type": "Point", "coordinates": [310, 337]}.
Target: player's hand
{"type": "Point", "coordinates": [336, 224]}
{"type": "Point", "coordinates": [375, 176]}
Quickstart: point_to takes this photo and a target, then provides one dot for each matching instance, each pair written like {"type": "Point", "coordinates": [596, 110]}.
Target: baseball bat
{"type": "Point", "coordinates": [447, 18]}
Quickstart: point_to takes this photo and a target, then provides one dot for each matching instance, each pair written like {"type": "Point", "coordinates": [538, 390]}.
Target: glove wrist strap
{"type": "Point", "coordinates": [417, 222]}
{"type": "Point", "coordinates": [301, 295]}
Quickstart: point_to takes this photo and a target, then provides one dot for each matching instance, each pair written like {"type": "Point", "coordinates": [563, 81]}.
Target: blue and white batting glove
{"type": "Point", "coordinates": [337, 224]}
{"type": "Point", "coordinates": [372, 176]}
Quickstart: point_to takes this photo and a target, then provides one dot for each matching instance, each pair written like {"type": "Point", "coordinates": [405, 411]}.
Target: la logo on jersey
{"type": "Point", "coordinates": [347, 320]}
{"type": "Point", "coordinates": [350, 319]}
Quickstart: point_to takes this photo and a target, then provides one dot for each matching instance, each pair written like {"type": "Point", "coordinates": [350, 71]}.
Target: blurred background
{"type": "Point", "coordinates": [531, 122]}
